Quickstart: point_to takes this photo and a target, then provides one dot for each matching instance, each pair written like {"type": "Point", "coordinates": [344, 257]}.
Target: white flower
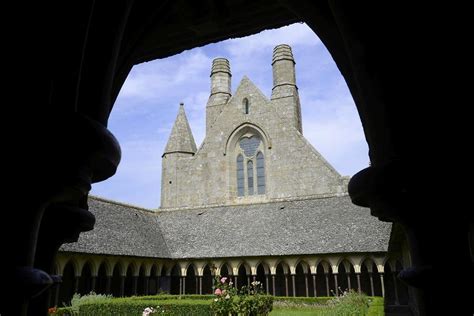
{"type": "Point", "coordinates": [227, 296]}
{"type": "Point", "coordinates": [215, 300]}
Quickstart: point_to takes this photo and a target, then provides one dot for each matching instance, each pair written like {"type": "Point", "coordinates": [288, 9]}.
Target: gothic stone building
{"type": "Point", "coordinates": [255, 201]}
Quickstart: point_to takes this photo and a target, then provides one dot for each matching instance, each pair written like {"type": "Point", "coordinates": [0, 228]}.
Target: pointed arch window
{"type": "Point", "coordinates": [246, 106]}
{"type": "Point", "coordinates": [260, 173]}
{"type": "Point", "coordinates": [250, 165]}
{"type": "Point", "coordinates": [240, 175]}
{"type": "Point", "coordinates": [250, 176]}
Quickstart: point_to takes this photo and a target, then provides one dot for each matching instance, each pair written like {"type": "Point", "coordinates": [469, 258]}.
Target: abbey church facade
{"type": "Point", "coordinates": [255, 201]}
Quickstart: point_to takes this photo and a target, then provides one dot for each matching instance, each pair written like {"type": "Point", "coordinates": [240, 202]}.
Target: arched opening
{"type": "Point", "coordinates": [346, 278]}
{"type": "Point", "coordinates": [153, 281]}
{"type": "Point", "coordinates": [207, 280]}
{"type": "Point", "coordinates": [281, 280]}
{"type": "Point", "coordinates": [165, 281]}
{"type": "Point", "coordinates": [242, 279]}
{"type": "Point", "coordinates": [101, 283]}
{"type": "Point", "coordinates": [130, 284]}
{"type": "Point", "coordinates": [369, 279]}
{"type": "Point", "coordinates": [142, 282]}
{"type": "Point", "coordinates": [66, 289]}
{"type": "Point", "coordinates": [85, 281]}
{"type": "Point", "coordinates": [262, 277]}
{"type": "Point", "coordinates": [190, 280]}
{"type": "Point", "coordinates": [377, 280]}
{"type": "Point", "coordinates": [301, 280]}
{"type": "Point", "coordinates": [175, 280]}
{"type": "Point", "coordinates": [225, 270]}
{"type": "Point", "coordinates": [321, 282]}
{"type": "Point", "coordinates": [117, 287]}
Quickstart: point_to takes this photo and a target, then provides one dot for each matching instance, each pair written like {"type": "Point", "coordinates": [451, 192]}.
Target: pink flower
{"type": "Point", "coordinates": [218, 292]}
{"type": "Point", "coordinates": [223, 280]}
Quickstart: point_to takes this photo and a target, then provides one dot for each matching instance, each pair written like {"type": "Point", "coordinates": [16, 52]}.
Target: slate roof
{"type": "Point", "coordinates": [121, 230]}
{"type": "Point", "coordinates": [298, 227]}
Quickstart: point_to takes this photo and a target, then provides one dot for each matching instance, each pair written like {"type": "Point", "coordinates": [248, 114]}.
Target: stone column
{"type": "Point", "coordinates": [273, 285]}
{"type": "Point", "coordinates": [134, 285]}
{"type": "Point", "coordinates": [266, 284]}
{"type": "Point", "coordinates": [145, 285]}
{"type": "Point", "coordinates": [286, 284]}
{"type": "Point", "coordinates": [93, 281]}
{"type": "Point", "coordinates": [382, 284]}
{"type": "Point", "coordinates": [200, 285]}
{"type": "Point", "coordinates": [359, 289]}
{"type": "Point", "coordinates": [306, 284]}
{"type": "Point", "coordinates": [76, 283]}
{"type": "Point", "coordinates": [180, 285]}
{"type": "Point", "coordinates": [108, 282]}
{"type": "Point", "coordinates": [122, 285]}
{"type": "Point", "coordinates": [395, 284]}
{"type": "Point", "coordinates": [248, 281]}
{"type": "Point", "coordinates": [196, 278]}
{"type": "Point", "coordinates": [326, 276]}
{"type": "Point", "coordinates": [184, 285]}
{"type": "Point", "coordinates": [235, 280]}
{"type": "Point", "coordinates": [371, 284]}
{"type": "Point", "coordinates": [293, 283]}
{"type": "Point", "coordinates": [348, 280]}
{"type": "Point", "coordinates": [335, 284]}
{"type": "Point", "coordinates": [314, 286]}
{"type": "Point", "coordinates": [158, 285]}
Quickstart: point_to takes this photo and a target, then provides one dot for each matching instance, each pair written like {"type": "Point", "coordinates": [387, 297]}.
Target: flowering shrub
{"type": "Point", "coordinates": [249, 301]}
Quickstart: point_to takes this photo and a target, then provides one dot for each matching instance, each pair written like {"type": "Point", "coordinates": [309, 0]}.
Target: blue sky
{"type": "Point", "coordinates": [148, 102]}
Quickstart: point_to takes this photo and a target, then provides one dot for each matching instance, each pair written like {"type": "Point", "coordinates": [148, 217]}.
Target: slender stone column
{"type": "Point", "coordinates": [184, 285]}
{"type": "Point", "coordinates": [108, 282]}
{"type": "Point", "coordinates": [248, 280]}
{"type": "Point", "coordinates": [254, 278]}
{"type": "Point", "coordinates": [235, 281]}
{"type": "Point", "coordinates": [180, 285]}
{"type": "Point", "coordinates": [122, 285]}
{"type": "Point", "coordinates": [306, 284]}
{"type": "Point", "coordinates": [359, 289]}
{"type": "Point", "coordinates": [200, 285]}
{"type": "Point", "coordinates": [145, 285]}
{"type": "Point", "coordinates": [327, 283]}
{"type": "Point", "coordinates": [371, 284]}
{"type": "Point", "coordinates": [293, 283]}
{"type": "Point", "coordinates": [76, 283]}
{"type": "Point", "coordinates": [266, 284]}
{"type": "Point", "coordinates": [314, 286]}
{"type": "Point", "coordinates": [273, 285]}
{"type": "Point", "coordinates": [158, 285]}
{"type": "Point", "coordinates": [335, 284]}
{"type": "Point", "coordinates": [134, 285]}
{"type": "Point", "coordinates": [349, 280]}
{"type": "Point", "coordinates": [395, 284]}
{"type": "Point", "coordinates": [286, 284]}
{"type": "Point", "coordinates": [382, 284]}
{"type": "Point", "coordinates": [93, 281]}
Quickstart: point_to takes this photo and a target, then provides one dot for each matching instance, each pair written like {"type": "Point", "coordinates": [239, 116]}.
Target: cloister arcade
{"type": "Point", "coordinates": [283, 276]}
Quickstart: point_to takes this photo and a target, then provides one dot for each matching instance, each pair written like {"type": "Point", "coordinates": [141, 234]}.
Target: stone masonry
{"type": "Point", "coordinates": [209, 176]}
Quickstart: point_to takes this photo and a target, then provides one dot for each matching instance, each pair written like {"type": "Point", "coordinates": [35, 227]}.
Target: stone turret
{"type": "Point", "coordinates": [180, 147]}
{"type": "Point", "coordinates": [220, 90]}
{"type": "Point", "coordinates": [181, 139]}
{"type": "Point", "coordinates": [285, 92]}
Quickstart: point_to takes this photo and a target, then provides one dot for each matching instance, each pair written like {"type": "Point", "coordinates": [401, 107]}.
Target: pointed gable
{"type": "Point", "coordinates": [247, 88]}
{"type": "Point", "coordinates": [181, 138]}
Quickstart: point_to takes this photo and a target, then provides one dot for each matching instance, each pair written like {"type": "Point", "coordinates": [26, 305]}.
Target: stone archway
{"type": "Point", "coordinates": [86, 283]}
{"type": "Point", "coordinates": [207, 280]}
{"type": "Point", "coordinates": [190, 280]}
{"type": "Point", "coordinates": [102, 283]}
{"type": "Point", "coordinates": [67, 287]}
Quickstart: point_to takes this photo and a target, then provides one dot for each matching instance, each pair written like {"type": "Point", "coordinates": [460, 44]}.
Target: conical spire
{"type": "Point", "coordinates": [181, 139]}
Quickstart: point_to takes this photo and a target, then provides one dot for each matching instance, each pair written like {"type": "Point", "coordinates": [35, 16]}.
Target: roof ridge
{"type": "Point", "coordinates": [139, 208]}
{"type": "Point", "coordinates": [274, 201]}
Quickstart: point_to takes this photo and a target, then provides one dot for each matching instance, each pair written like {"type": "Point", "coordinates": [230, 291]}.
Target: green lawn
{"type": "Point", "coordinates": [297, 311]}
